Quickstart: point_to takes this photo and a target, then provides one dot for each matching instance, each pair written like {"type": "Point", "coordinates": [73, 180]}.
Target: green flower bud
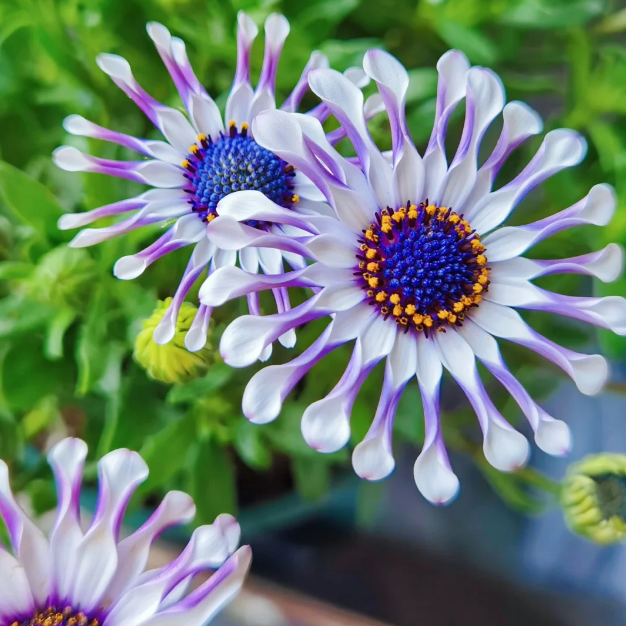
{"type": "Point", "coordinates": [63, 277]}
{"type": "Point", "coordinates": [171, 362]}
{"type": "Point", "coordinates": [593, 498]}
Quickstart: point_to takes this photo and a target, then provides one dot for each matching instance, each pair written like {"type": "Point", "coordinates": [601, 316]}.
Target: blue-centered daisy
{"type": "Point", "coordinates": [415, 268]}
{"type": "Point", "coordinates": [202, 161]}
{"type": "Point", "coordinates": [94, 577]}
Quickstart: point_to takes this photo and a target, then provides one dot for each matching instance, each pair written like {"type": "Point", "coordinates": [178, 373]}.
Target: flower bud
{"type": "Point", "coordinates": [171, 362]}
{"type": "Point", "coordinates": [593, 498]}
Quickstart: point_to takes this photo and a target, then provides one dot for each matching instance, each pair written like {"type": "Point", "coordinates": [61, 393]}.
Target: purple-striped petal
{"type": "Point", "coordinates": [606, 264]}
{"type": "Point", "coordinates": [504, 447]}
{"type": "Point", "coordinates": [596, 208]}
{"type": "Point", "coordinates": [153, 173]}
{"type": "Point", "coordinates": [372, 459]}
{"type": "Point", "coordinates": [432, 471]}
{"type": "Point", "coordinates": [241, 93]}
{"type": "Point", "coordinates": [560, 149]}
{"type": "Point", "coordinates": [608, 312]}
{"type": "Point", "coordinates": [160, 150]}
{"type": "Point", "coordinates": [589, 372]}
{"type": "Point", "coordinates": [452, 68]}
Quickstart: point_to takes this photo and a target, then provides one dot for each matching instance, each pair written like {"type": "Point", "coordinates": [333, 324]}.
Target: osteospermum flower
{"type": "Point", "coordinates": [201, 162]}
{"type": "Point", "coordinates": [94, 578]}
{"type": "Point", "coordinates": [416, 270]}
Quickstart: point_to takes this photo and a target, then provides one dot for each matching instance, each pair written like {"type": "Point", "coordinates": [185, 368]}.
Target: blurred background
{"type": "Point", "coordinates": [501, 553]}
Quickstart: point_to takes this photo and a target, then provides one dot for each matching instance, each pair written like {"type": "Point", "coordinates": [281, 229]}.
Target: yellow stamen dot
{"type": "Point", "coordinates": [395, 298]}
{"type": "Point", "coordinates": [458, 307]}
{"type": "Point", "coordinates": [194, 149]}
{"type": "Point", "coordinates": [362, 265]}
{"type": "Point", "coordinates": [371, 253]}
{"type": "Point", "coordinates": [454, 219]}
{"type": "Point", "coordinates": [410, 309]}
{"type": "Point", "coordinates": [386, 228]}
{"type": "Point", "coordinates": [381, 296]}
{"type": "Point", "coordinates": [428, 321]}
{"type": "Point", "coordinates": [232, 123]}
{"type": "Point", "coordinates": [466, 300]}
{"type": "Point", "coordinates": [442, 315]}
{"type": "Point", "coordinates": [372, 267]}
{"type": "Point", "coordinates": [397, 216]}
{"type": "Point", "coordinates": [483, 280]}
{"type": "Point", "coordinates": [244, 126]}
{"type": "Point", "coordinates": [418, 319]}
{"type": "Point", "coordinates": [210, 217]}
{"type": "Point", "coordinates": [412, 214]}
{"type": "Point", "coordinates": [295, 198]}
{"type": "Point", "coordinates": [364, 247]}
{"type": "Point", "coordinates": [201, 137]}
{"type": "Point", "coordinates": [369, 234]}
{"type": "Point", "coordinates": [430, 209]}
{"type": "Point", "coordinates": [478, 299]}
{"type": "Point", "coordinates": [373, 281]}
{"type": "Point", "coordinates": [477, 288]}
{"type": "Point", "coordinates": [452, 318]}
{"type": "Point", "coordinates": [185, 164]}
{"type": "Point", "coordinates": [398, 310]}
{"type": "Point", "coordinates": [481, 259]}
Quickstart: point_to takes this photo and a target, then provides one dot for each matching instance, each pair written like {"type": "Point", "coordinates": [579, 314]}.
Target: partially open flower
{"type": "Point", "coordinates": [171, 362]}
{"type": "Point", "coordinates": [594, 498]}
{"type": "Point", "coordinates": [76, 578]}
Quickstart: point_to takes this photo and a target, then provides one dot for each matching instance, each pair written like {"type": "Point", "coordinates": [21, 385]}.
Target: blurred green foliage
{"type": "Point", "coordinates": [67, 327]}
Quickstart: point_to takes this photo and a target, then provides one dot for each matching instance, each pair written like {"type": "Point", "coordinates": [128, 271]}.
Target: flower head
{"type": "Point", "coordinates": [172, 362]}
{"type": "Point", "coordinates": [414, 267]}
{"type": "Point", "coordinates": [593, 498]}
{"type": "Point", "coordinates": [201, 162]}
{"type": "Point", "coordinates": [76, 578]}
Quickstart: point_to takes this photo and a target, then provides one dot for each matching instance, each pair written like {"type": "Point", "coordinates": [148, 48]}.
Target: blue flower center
{"type": "Point", "coordinates": [422, 265]}
{"type": "Point", "coordinates": [235, 162]}
{"type": "Point", "coordinates": [53, 617]}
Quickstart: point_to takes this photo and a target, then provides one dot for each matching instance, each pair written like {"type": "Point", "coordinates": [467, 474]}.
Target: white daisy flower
{"type": "Point", "coordinates": [201, 162]}
{"type": "Point", "coordinates": [95, 578]}
{"type": "Point", "coordinates": [415, 268]}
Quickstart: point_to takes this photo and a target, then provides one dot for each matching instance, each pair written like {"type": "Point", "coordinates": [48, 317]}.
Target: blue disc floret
{"type": "Point", "coordinates": [235, 162]}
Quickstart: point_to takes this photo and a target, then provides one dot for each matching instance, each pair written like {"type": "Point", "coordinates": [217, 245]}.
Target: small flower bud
{"type": "Point", "coordinates": [593, 498]}
{"type": "Point", "coordinates": [171, 362]}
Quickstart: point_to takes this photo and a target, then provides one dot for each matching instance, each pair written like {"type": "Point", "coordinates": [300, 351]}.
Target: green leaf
{"type": "Point", "coordinates": [109, 386]}
{"type": "Point", "coordinates": [552, 13]}
{"type": "Point", "coordinates": [53, 347]}
{"type": "Point", "coordinates": [14, 270]}
{"type": "Point", "coordinates": [30, 202]}
{"type": "Point", "coordinates": [27, 376]}
{"type": "Point", "coordinates": [19, 316]}
{"type": "Point", "coordinates": [42, 494]}
{"type": "Point", "coordinates": [169, 451]}
{"type": "Point", "coordinates": [312, 476]}
{"type": "Point", "coordinates": [422, 84]}
{"type": "Point", "coordinates": [212, 482]}
{"type": "Point", "coordinates": [250, 446]}
{"type": "Point", "coordinates": [510, 487]}
{"type": "Point", "coordinates": [91, 346]}
{"type": "Point", "coordinates": [216, 378]}
{"type": "Point", "coordinates": [470, 41]}
{"type": "Point", "coordinates": [40, 417]}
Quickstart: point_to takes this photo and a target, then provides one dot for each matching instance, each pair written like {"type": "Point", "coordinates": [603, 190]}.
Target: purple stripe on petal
{"type": "Point", "coordinates": [268, 388]}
